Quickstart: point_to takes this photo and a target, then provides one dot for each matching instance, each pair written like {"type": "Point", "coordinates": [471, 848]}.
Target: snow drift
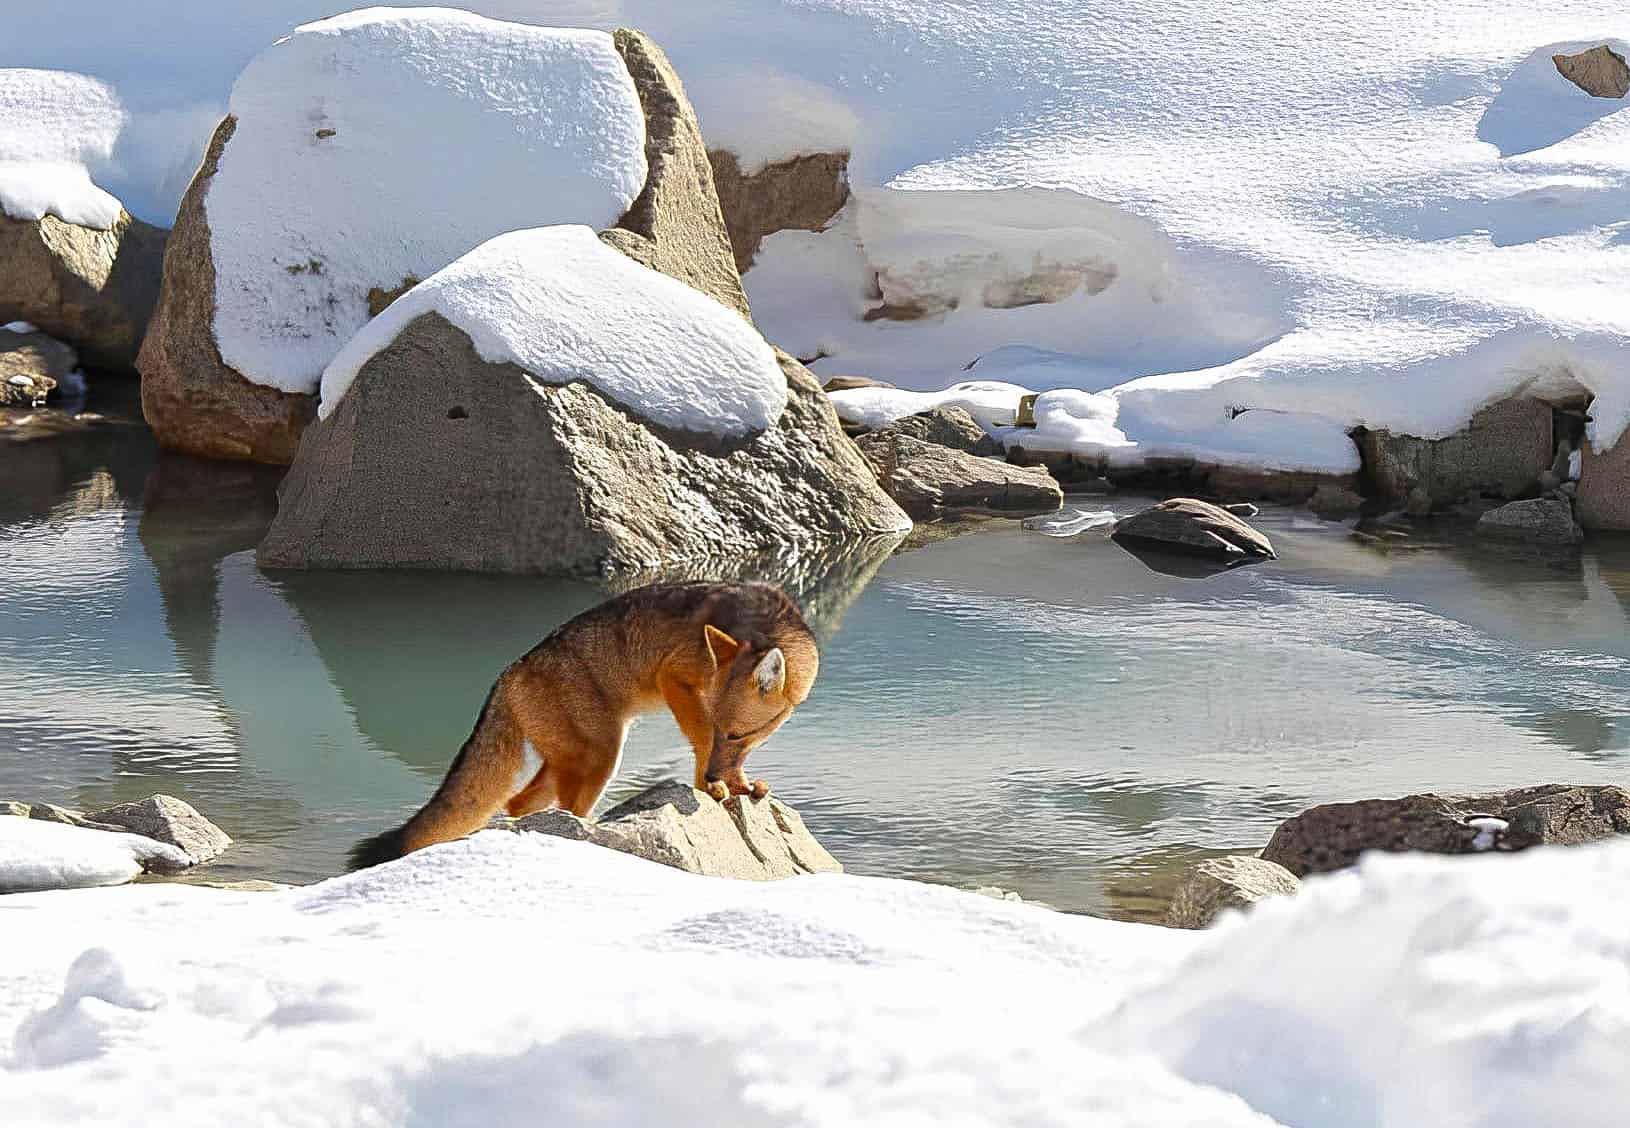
{"type": "Point", "coordinates": [376, 147]}
{"type": "Point", "coordinates": [519, 977]}
{"type": "Point", "coordinates": [564, 306]}
{"type": "Point", "coordinates": [55, 128]}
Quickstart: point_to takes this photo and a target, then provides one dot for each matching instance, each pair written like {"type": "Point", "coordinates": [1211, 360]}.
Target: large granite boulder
{"type": "Point", "coordinates": [32, 366]}
{"type": "Point", "coordinates": [437, 459]}
{"type": "Point", "coordinates": [925, 478]}
{"type": "Point", "coordinates": [1501, 453]}
{"type": "Point", "coordinates": [1187, 525]}
{"type": "Point", "coordinates": [1603, 501]}
{"type": "Point", "coordinates": [678, 826]}
{"type": "Point", "coordinates": [192, 399]}
{"type": "Point", "coordinates": [1544, 520]}
{"type": "Point", "coordinates": [1333, 836]}
{"type": "Point", "coordinates": [199, 403]}
{"type": "Point", "coordinates": [675, 225]}
{"type": "Point", "coordinates": [94, 289]}
{"type": "Point", "coordinates": [799, 194]}
{"type": "Point", "coordinates": [1600, 72]}
{"type": "Point", "coordinates": [1236, 881]}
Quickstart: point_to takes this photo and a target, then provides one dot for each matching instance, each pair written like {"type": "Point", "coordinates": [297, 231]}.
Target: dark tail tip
{"type": "Point", "coordinates": [381, 848]}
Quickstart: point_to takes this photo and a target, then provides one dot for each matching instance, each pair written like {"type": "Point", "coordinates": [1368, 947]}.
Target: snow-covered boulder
{"type": "Point", "coordinates": [801, 193]}
{"type": "Point", "coordinates": [1332, 836]}
{"type": "Point", "coordinates": [925, 478]}
{"type": "Point", "coordinates": [1235, 881]}
{"type": "Point", "coordinates": [360, 154]}
{"type": "Point", "coordinates": [1501, 452]}
{"type": "Point", "coordinates": [546, 404]}
{"type": "Point", "coordinates": [677, 825]}
{"type": "Point", "coordinates": [33, 365]}
{"type": "Point", "coordinates": [37, 854]}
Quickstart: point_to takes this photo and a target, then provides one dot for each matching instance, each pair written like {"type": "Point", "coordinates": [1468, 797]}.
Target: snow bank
{"type": "Point", "coordinates": [511, 978]}
{"type": "Point", "coordinates": [566, 307]}
{"type": "Point", "coordinates": [54, 129]}
{"type": "Point", "coordinates": [379, 146]}
{"type": "Point", "coordinates": [44, 855]}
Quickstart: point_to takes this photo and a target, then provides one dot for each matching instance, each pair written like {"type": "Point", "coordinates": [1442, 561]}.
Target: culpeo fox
{"type": "Point", "coordinates": [731, 661]}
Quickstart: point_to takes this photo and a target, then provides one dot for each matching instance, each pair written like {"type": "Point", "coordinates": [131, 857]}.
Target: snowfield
{"type": "Point", "coordinates": [380, 145]}
{"type": "Point", "coordinates": [566, 307]}
{"type": "Point", "coordinates": [527, 979]}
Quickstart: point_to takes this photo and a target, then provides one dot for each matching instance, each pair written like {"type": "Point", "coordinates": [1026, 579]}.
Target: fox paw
{"type": "Point", "coordinates": [718, 790]}
{"type": "Point", "coordinates": [758, 789]}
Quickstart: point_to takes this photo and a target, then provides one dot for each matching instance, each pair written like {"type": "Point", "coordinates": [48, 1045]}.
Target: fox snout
{"type": "Point", "coordinates": [724, 761]}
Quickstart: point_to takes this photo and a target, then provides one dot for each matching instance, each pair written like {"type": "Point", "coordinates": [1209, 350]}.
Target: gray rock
{"type": "Point", "coordinates": [1332, 503]}
{"type": "Point", "coordinates": [1333, 836]}
{"type": "Point", "coordinates": [93, 289]}
{"type": "Point", "coordinates": [676, 825]}
{"type": "Point", "coordinates": [1600, 72]}
{"type": "Point", "coordinates": [802, 194]}
{"type": "Point", "coordinates": [943, 426]}
{"type": "Point", "coordinates": [1236, 881]}
{"type": "Point", "coordinates": [1198, 527]}
{"type": "Point", "coordinates": [1604, 487]}
{"type": "Point", "coordinates": [675, 224]}
{"type": "Point", "coordinates": [484, 469]}
{"type": "Point", "coordinates": [925, 478]}
{"type": "Point", "coordinates": [165, 818]}
{"type": "Point", "coordinates": [32, 366]}
{"type": "Point", "coordinates": [1537, 521]}
{"type": "Point", "coordinates": [1501, 452]}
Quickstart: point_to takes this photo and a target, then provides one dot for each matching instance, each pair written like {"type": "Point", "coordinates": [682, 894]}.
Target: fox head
{"type": "Point", "coordinates": [753, 690]}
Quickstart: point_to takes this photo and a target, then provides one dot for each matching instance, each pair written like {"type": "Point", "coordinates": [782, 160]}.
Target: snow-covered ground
{"type": "Point", "coordinates": [525, 979]}
{"type": "Point", "coordinates": [1386, 214]}
{"type": "Point", "coordinates": [45, 855]}
{"type": "Point", "coordinates": [566, 307]}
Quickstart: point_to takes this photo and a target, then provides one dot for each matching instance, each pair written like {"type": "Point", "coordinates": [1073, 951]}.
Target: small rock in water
{"type": "Point", "coordinates": [165, 818]}
{"type": "Point", "coordinates": [1242, 509]}
{"type": "Point", "coordinates": [1537, 521]}
{"type": "Point", "coordinates": [1186, 525]}
{"type": "Point", "coordinates": [1332, 503]}
{"type": "Point", "coordinates": [1236, 881]}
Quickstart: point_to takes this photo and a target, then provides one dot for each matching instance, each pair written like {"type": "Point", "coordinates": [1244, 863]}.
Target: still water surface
{"type": "Point", "coordinates": [1001, 708]}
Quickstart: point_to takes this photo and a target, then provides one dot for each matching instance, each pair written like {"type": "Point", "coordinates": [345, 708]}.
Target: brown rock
{"type": "Point", "coordinates": [193, 401]}
{"type": "Point", "coordinates": [943, 426]}
{"type": "Point", "coordinates": [1501, 453]}
{"type": "Point", "coordinates": [1604, 487]}
{"type": "Point", "coordinates": [1236, 881]}
{"type": "Point", "coordinates": [482, 469]}
{"type": "Point", "coordinates": [1333, 836]}
{"type": "Point", "coordinates": [32, 366]}
{"type": "Point", "coordinates": [675, 225]}
{"type": "Point", "coordinates": [1187, 525]}
{"type": "Point", "coordinates": [926, 479]}
{"type": "Point", "coordinates": [1600, 72]}
{"type": "Point", "coordinates": [676, 825]}
{"type": "Point", "coordinates": [849, 383]}
{"type": "Point", "coordinates": [801, 194]}
{"type": "Point", "coordinates": [93, 289]}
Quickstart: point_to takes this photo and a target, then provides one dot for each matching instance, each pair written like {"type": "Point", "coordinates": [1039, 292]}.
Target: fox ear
{"type": "Point", "coordinates": [771, 672]}
{"type": "Point", "coordinates": [723, 648]}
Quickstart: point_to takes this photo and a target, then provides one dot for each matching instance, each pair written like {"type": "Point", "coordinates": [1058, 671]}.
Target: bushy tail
{"type": "Point", "coordinates": [459, 806]}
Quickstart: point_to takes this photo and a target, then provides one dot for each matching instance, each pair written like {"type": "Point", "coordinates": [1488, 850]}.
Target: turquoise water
{"type": "Point", "coordinates": [999, 708]}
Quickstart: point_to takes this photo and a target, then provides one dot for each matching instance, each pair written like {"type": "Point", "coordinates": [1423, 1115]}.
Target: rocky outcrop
{"type": "Point", "coordinates": [675, 225]}
{"type": "Point", "coordinates": [93, 289]}
{"type": "Point", "coordinates": [1333, 836]}
{"type": "Point", "coordinates": [1501, 453]}
{"type": "Point", "coordinates": [1184, 524]}
{"type": "Point", "coordinates": [925, 478]}
{"type": "Point", "coordinates": [192, 399]}
{"type": "Point", "coordinates": [1236, 881]}
{"type": "Point", "coordinates": [170, 834]}
{"type": "Point", "coordinates": [1542, 520]}
{"type": "Point", "coordinates": [1600, 72]}
{"type": "Point", "coordinates": [800, 194]}
{"type": "Point", "coordinates": [483, 468]}
{"type": "Point", "coordinates": [32, 366]}
{"type": "Point", "coordinates": [676, 825]}
{"type": "Point", "coordinates": [943, 426]}
{"type": "Point", "coordinates": [1603, 501]}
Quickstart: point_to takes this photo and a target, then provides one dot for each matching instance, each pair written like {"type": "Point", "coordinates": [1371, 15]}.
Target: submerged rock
{"type": "Point", "coordinates": [678, 826]}
{"type": "Point", "coordinates": [1537, 521]}
{"type": "Point", "coordinates": [93, 289]}
{"type": "Point", "coordinates": [1236, 881]}
{"type": "Point", "coordinates": [1187, 525]}
{"type": "Point", "coordinates": [800, 194]}
{"type": "Point", "coordinates": [1332, 503]}
{"type": "Point", "coordinates": [1600, 72]}
{"type": "Point", "coordinates": [925, 478]}
{"type": "Point", "coordinates": [1502, 452]}
{"type": "Point", "coordinates": [32, 366]}
{"type": "Point", "coordinates": [1333, 836]}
